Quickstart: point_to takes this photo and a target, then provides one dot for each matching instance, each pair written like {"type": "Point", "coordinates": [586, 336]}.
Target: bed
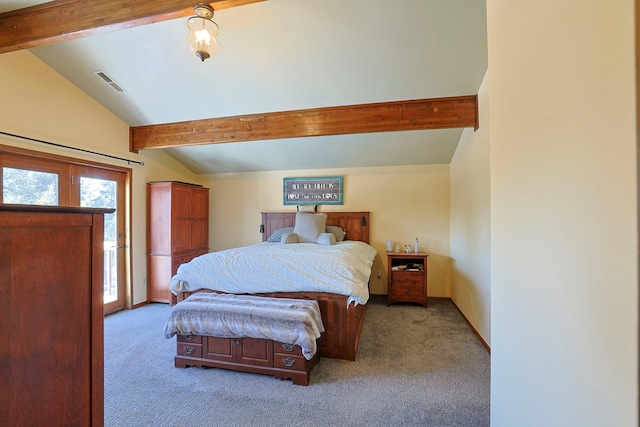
{"type": "Point", "coordinates": [342, 314]}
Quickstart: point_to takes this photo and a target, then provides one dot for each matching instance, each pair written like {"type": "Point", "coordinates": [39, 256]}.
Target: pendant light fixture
{"type": "Point", "coordinates": [202, 40]}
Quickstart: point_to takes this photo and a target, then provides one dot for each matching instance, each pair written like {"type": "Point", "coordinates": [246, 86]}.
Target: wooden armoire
{"type": "Point", "coordinates": [51, 321]}
{"type": "Point", "coordinates": [177, 232]}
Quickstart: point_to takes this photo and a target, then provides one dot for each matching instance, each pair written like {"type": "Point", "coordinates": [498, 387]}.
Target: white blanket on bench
{"type": "Point", "coordinates": [291, 321]}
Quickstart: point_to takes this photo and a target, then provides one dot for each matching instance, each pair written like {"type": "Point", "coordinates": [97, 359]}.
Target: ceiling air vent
{"type": "Point", "coordinates": [109, 81]}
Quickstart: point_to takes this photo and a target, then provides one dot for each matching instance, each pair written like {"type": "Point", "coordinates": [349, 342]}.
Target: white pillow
{"type": "Point", "coordinates": [336, 231]}
{"type": "Point", "coordinates": [288, 238]}
{"type": "Point", "coordinates": [326, 239]}
{"type": "Point", "coordinates": [308, 226]}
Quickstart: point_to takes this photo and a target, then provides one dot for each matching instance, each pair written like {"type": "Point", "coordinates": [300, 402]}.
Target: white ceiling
{"type": "Point", "coordinates": [280, 55]}
{"type": "Point", "coordinates": [6, 6]}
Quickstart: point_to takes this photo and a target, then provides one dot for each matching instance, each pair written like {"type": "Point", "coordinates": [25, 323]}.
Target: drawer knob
{"type": "Point", "coordinates": [189, 337]}
{"type": "Point", "coordinates": [289, 362]}
{"type": "Point", "coordinates": [188, 349]}
{"type": "Point", "coordinates": [288, 347]}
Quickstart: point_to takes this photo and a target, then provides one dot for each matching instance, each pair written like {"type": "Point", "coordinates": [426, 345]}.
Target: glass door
{"type": "Point", "coordinates": [100, 188]}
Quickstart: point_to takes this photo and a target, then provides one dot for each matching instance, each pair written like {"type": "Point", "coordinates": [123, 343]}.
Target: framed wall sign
{"type": "Point", "coordinates": [326, 190]}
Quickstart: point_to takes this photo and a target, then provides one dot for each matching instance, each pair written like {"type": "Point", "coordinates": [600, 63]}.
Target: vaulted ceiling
{"type": "Point", "coordinates": [279, 56]}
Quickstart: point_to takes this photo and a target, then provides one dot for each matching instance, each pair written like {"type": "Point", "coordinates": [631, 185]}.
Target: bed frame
{"type": "Point", "coordinates": [356, 224]}
{"type": "Point", "coordinates": [342, 323]}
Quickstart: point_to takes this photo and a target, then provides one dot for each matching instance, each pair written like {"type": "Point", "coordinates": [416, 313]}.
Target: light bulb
{"type": "Point", "coordinates": [202, 39]}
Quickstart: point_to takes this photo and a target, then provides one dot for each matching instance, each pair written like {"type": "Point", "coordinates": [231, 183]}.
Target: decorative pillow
{"type": "Point", "coordinates": [308, 226]}
{"type": "Point", "coordinates": [336, 231]}
{"type": "Point", "coordinates": [326, 239]}
{"type": "Point", "coordinates": [289, 237]}
{"type": "Point", "coordinates": [276, 237]}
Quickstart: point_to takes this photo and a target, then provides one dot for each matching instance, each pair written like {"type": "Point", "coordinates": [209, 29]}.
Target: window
{"type": "Point", "coordinates": [29, 187]}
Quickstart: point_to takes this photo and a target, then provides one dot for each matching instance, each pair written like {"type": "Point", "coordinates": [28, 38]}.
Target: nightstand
{"type": "Point", "coordinates": [407, 277]}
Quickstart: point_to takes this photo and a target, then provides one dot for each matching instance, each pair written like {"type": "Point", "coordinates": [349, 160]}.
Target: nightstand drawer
{"type": "Point", "coordinates": [407, 292]}
{"type": "Point", "coordinates": [414, 278]}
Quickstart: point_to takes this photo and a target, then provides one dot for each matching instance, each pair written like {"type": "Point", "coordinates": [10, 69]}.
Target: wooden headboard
{"type": "Point", "coordinates": [356, 224]}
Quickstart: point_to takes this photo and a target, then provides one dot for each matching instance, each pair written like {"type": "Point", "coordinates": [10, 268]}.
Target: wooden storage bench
{"type": "Point", "coordinates": [261, 356]}
{"type": "Point", "coordinates": [275, 336]}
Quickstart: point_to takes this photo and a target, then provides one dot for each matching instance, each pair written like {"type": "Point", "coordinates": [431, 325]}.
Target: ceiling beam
{"type": "Point", "coordinates": [62, 20]}
{"type": "Point", "coordinates": [419, 114]}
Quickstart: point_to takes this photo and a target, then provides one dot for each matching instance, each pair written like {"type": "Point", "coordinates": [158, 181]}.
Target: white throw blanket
{"type": "Point", "coordinates": [291, 321]}
{"type": "Point", "coordinates": [343, 268]}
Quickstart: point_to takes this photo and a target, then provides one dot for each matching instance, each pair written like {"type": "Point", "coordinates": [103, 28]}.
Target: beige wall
{"type": "Point", "coordinates": [564, 249]}
{"type": "Point", "coordinates": [405, 203]}
{"type": "Point", "coordinates": [39, 103]}
{"type": "Point", "coordinates": [471, 222]}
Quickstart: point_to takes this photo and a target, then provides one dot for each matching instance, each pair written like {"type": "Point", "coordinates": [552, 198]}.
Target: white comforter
{"type": "Point", "coordinates": [343, 268]}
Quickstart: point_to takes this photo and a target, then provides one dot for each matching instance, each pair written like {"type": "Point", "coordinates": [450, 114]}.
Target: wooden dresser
{"type": "Point", "coordinates": [51, 321]}
{"type": "Point", "coordinates": [177, 232]}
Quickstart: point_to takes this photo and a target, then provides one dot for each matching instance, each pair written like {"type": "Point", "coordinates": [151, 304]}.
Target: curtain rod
{"type": "Point", "coordinates": [72, 148]}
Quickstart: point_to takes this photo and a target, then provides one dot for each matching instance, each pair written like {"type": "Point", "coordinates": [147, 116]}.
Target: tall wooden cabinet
{"type": "Point", "coordinates": [177, 232]}
{"type": "Point", "coordinates": [51, 321]}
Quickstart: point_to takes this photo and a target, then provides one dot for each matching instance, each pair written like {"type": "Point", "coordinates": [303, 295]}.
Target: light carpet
{"type": "Point", "coordinates": [414, 367]}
